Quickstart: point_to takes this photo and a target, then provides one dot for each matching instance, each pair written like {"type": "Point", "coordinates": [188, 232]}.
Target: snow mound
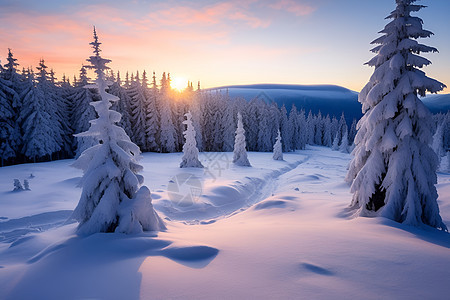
{"type": "Point", "coordinates": [267, 204]}
{"type": "Point", "coordinates": [92, 259]}
{"type": "Point", "coordinates": [315, 269]}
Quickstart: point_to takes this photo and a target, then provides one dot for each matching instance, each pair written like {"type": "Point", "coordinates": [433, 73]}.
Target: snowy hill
{"type": "Point", "coordinates": [437, 103]}
{"type": "Point", "coordinates": [329, 99]}
{"type": "Point", "coordinates": [277, 230]}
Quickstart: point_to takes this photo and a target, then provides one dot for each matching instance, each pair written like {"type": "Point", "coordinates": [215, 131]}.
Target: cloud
{"type": "Point", "coordinates": [295, 7]}
{"type": "Point", "coordinates": [154, 35]}
{"type": "Point", "coordinates": [208, 15]}
{"type": "Point", "coordinates": [251, 21]}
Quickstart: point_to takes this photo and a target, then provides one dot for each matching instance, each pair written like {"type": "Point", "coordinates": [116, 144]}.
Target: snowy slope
{"type": "Point", "coordinates": [278, 230]}
{"type": "Point", "coordinates": [437, 103]}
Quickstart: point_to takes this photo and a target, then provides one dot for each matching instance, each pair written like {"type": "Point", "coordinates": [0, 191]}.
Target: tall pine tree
{"type": "Point", "coordinates": [7, 119]}
{"type": "Point", "coordinates": [113, 199]}
{"type": "Point", "coordinates": [40, 132]}
{"type": "Point", "coordinates": [393, 173]}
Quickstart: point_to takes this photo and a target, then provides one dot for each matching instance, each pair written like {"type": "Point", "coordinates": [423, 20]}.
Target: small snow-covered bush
{"type": "Point", "coordinates": [26, 184]}
{"type": "Point", "coordinates": [17, 185]}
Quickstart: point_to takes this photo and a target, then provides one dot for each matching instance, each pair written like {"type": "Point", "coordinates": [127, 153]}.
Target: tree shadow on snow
{"type": "Point", "coordinates": [425, 233]}
{"type": "Point", "coordinates": [15, 229]}
{"type": "Point", "coordinates": [101, 266]}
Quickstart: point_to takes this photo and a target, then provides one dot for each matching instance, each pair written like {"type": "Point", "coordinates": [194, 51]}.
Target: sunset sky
{"type": "Point", "coordinates": [216, 42]}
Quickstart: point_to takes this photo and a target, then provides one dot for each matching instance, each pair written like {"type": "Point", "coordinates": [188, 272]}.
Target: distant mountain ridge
{"type": "Point", "coordinates": [437, 102]}
{"type": "Point", "coordinates": [328, 99]}
{"type": "Point", "coordinates": [274, 86]}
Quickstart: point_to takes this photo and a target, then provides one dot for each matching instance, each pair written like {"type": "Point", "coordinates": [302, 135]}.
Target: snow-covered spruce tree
{"type": "Point", "coordinates": [112, 199]}
{"type": "Point", "coordinates": [58, 117]}
{"type": "Point", "coordinates": [152, 117]}
{"type": "Point", "coordinates": [335, 145]}
{"type": "Point", "coordinates": [196, 111]}
{"type": "Point", "coordinates": [274, 124]}
{"type": "Point", "coordinates": [448, 161]}
{"type": "Point", "coordinates": [84, 79]}
{"type": "Point", "coordinates": [310, 129]}
{"type": "Point", "coordinates": [294, 129]}
{"type": "Point", "coordinates": [179, 109]}
{"type": "Point", "coordinates": [393, 172]}
{"type": "Point", "coordinates": [190, 151]}
{"type": "Point", "coordinates": [229, 126]}
{"type": "Point", "coordinates": [207, 118]}
{"type": "Point", "coordinates": [278, 148]}
{"type": "Point", "coordinates": [122, 106]}
{"type": "Point", "coordinates": [264, 131]}
{"type": "Point", "coordinates": [352, 132]}
{"type": "Point", "coordinates": [83, 112]}
{"type": "Point", "coordinates": [37, 125]}
{"type": "Point", "coordinates": [334, 127]}
{"type": "Point", "coordinates": [446, 131]}
{"type": "Point", "coordinates": [239, 153]}
{"type": "Point", "coordinates": [327, 139]}
{"type": "Point", "coordinates": [286, 130]}
{"type": "Point", "coordinates": [251, 124]}
{"type": "Point", "coordinates": [437, 144]}
{"type": "Point", "coordinates": [7, 119]}
{"type": "Point", "coordinates": [167, 132]}
{"type": "Point", "coordinates": [62, 92]}
{"type": "Point", "coordinates": [344, 146]}
{"type": "Point", "coordinates": [11, 130]}
{"type": "Point", "coordinates": [217, 129]}
{"type": "Point", "coordinates": [318, 129]}
{"type": "Point", "coordinates": [138, 112]}
{"type": "Point", "coordinates": [342, 127]}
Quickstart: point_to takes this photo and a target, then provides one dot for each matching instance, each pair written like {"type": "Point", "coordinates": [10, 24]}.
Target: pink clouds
{"type": "Point", "coordinates": [295, 7]}
{"type": "Point", "coordinates": [216, 14]}
{"type": "Point", "coordinates": [31, 38]}
{"type": "Point", "coordinates": [157, 36]}
{"type": "Point", "coordinates": [185, 16]}
{"type": "Point", "coordinates": [251, 21]}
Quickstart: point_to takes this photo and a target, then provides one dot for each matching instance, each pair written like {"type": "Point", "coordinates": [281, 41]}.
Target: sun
{"type": "Point", "coordinates": [178, 83]}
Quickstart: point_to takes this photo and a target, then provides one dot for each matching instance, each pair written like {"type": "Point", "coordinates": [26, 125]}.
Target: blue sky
{"type": "Point", "coordinates": [217, 42]}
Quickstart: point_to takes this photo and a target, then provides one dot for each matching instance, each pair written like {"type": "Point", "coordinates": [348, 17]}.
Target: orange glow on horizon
{"type": "Point", "coordinates": [179, 83]}
{"type": "Point", "coordinates": [221, 43]}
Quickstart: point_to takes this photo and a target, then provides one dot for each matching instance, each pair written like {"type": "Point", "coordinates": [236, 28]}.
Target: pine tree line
{"type": "Point", "coordinates": [39, 116]}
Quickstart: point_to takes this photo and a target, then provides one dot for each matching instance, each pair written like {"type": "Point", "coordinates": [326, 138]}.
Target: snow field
{"type": "Point", "coordinates": [285, 235]}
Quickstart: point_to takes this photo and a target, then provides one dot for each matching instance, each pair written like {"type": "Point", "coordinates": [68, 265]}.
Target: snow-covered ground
{"type": "Point", "coordinates": [277, 230]}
